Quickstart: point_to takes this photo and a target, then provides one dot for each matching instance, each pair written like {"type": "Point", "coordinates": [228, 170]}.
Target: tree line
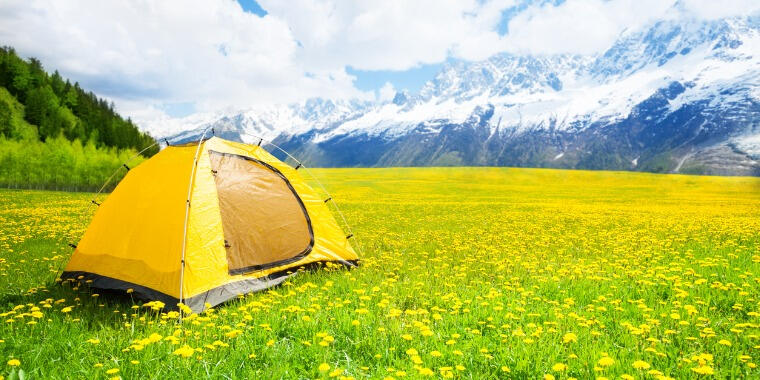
{"type": "Point", "coordinates": [54, 134]}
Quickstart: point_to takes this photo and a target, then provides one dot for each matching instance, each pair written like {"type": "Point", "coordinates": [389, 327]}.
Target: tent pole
{"type": "Point", "coordinates": [187, 215]}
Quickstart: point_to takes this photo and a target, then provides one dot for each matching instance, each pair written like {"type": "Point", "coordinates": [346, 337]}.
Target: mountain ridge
{"type": "Point", "coordinates": [677, 96]}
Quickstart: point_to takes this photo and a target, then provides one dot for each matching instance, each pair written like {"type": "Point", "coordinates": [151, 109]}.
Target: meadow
{"type": "Point", "coordinates": [466, 273]}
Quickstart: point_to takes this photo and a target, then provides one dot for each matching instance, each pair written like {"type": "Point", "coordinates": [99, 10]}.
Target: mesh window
{"type": "Point", "coordinates": [265, 222]}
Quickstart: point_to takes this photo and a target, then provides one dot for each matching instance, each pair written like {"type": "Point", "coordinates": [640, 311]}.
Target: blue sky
{"type": "Point", "coordinates": [253, 7]}
{"type": "Point", "coordinates": [366, 80]}
{"type": "Point", "coordinates": [411, 79]}
{"type": "Point", "coordinates": [373, 80]}
{"type": "Point", "coordinates": [172, 58]}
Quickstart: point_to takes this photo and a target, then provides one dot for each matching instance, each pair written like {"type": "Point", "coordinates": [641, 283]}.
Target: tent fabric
{"type": "Point", "coordinates": [252, 221]}
{"type": "Point", "coordinates": [265, 233]}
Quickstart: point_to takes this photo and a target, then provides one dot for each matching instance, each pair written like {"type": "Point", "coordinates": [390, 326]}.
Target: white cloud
{"type": "Point", "coordinates": [386, 93]}
{"type": "Point", "coordinates": [390, 34]}
{"type": "Point", "coordinates": [146, 54]}
{"type": "Point", "coordinates": [591, 26]}
{"type": "Point", "coordinates": [713, 9]}
{"type": "Point", "coordinates": [579, 26]}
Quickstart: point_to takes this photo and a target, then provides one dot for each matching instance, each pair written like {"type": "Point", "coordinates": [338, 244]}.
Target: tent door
{"type": "Point", "coordinates": [264, 220]}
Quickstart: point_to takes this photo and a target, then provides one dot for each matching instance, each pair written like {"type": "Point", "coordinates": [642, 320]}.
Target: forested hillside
{"type": "Point", "coordinates": [54, 134]}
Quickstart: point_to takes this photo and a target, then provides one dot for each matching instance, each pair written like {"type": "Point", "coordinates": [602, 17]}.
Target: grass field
{"type": "Point", "coordinates": [467, 273]}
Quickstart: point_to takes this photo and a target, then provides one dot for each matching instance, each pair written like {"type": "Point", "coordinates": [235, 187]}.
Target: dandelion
{"type": "Point", "coordinates": [335, 372]}
{"type": "Point", "coordinates": [559, 367]}
{"type": "Point", "coordinates": [406, 337]}
{"type": "Point", "coordinates": [185, 351]}
{"type": "Point", "coordinates": [605, 361]}
{"type": "Point", "coordinates": [324, 367]}
{"type": "Point", "coordinates": [14, 362]}
{"type": "Point", "coordinates": [112, 371]}
{"type": "Point", "coordinates": [569, 338]}
{"type": "Point", "coordinates": [640, 364]}
{"type": "Point", "coordinates": [703, 370]}
{"type": "Point", "coordinates": [426, 372]}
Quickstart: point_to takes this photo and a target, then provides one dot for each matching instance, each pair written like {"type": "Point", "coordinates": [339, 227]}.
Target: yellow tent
{"type": "Point", "coordinates": [235, 221]}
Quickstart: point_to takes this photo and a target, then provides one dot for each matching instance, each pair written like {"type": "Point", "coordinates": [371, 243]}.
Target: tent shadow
{"type": "Point", "coordinates": [96, 308]}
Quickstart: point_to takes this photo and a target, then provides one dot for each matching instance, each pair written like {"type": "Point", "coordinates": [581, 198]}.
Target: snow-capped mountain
{"type": "Point", "coordinates": [680, 95]}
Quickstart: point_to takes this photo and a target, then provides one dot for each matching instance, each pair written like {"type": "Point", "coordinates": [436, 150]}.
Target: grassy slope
{"type": "Point", "coordinates": [18, 127]}
{"type": "Point", "coordinates": [492, 269]}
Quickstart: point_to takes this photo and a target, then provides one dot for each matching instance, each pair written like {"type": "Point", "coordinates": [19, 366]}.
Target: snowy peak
{"type": "Point", "coordinates": [675, 87]}
{"type": "Point", "coordinates": [501, 75]}
{"type": "Point", "coordinates": [668, 39]}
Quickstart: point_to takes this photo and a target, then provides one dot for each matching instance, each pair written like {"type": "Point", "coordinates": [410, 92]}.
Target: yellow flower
{"type": "Point", "coordinates": [640, 364]}
{"type": "Point", "coordinates": [93, 341]}
{"type": "Point", "coordinates": [703, 370]}
{"type": "Point", "coordinates": [426, 372]}
{"type": "Point", "coordinates": [184, 308]}
{"type": "Point", "coordinates": [14, 362]}
{"type": "Point", "coordinates": [724, 342]}
{"type": "Point", "coordinates": [406, 337]}
{"type": "Point", "coordinates": [324, 367]}
{"type": "Point", "coordinates": [112, 371]}
{"type": "Point", "coordinates": [559, 367]}
{"type": "Point", "coordinates": [606, 361]}
{"type": "Point", "coordinates": [185, 351]}
{"type": "Point", "coordinates": [505, 369]}
{"type": "Point", "coordinates": [66, 309]}
{"type": "Point", "coordinates": [569, 338]}
{"type": "Point", "coordinates": [548, 377]}
{"type": "Point", "coordinates": [270, 343]}
{"type": "Point", "coordinates": [436, 354]}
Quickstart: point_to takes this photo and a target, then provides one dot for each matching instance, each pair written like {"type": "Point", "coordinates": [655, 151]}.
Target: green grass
{"type": "Point", "coordinates": [467, 273]}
